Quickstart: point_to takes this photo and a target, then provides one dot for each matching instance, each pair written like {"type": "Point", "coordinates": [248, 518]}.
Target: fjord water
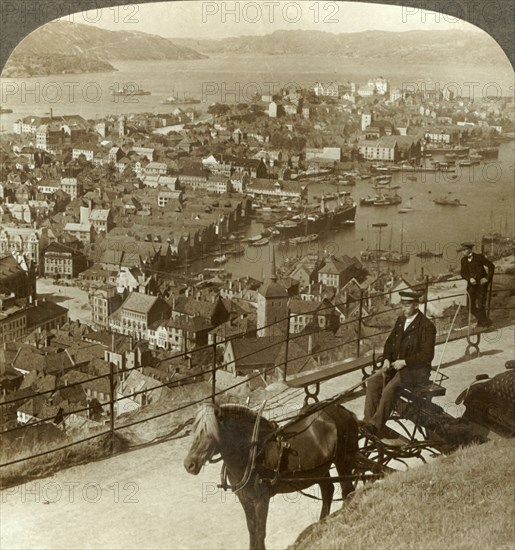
{"type": "Point", "coordinates": [219, 79]}
{"type": "Point", "coordinates": [487, 189]}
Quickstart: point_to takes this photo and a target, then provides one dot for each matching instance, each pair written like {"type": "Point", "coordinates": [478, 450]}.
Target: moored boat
{"type": "Point", "coordinates": [305, 239]}
{"type": "Point", "coordinates": [444, 201]}
{"type": "Point", "coordinates": [429, 254]}
{"type": "Point", "coordinates": [318, 219]}
{"type": "Point", "coordinates": [261, 242]}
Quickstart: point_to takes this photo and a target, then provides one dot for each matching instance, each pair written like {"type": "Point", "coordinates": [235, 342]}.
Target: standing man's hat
{"type": "Point", "coordinates": [466, 246]}
{"type": "Point", "coordinates": [409, 296]}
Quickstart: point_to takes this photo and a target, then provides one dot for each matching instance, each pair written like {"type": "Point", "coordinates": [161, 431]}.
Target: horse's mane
{"type": "Point", "coordinates": [206, 421]}
{"type": "Point", "coordinates": [245, 413]}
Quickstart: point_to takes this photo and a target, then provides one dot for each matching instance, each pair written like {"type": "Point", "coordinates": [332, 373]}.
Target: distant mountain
{"type": "Point", "coordinates": [446, 47]}
{"type": "Point", "coordinates": [92, 47]}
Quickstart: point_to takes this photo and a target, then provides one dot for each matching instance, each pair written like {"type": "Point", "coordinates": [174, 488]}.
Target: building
{"type": "Point", "coordinates": [325, 153]}
{"type": "Point", "coordinates": [101, 219]}
{"type": "Point", "coordinates": [63, 261]}
{"type": "Point", "coordinates": [166, 195]}
{"type": "Point", "coordinates": [13, 319]}
{"type": "Point", "coordinates": [280, 189]}
{"type": "Point", "coordinates": [379, 85]}
{"type": "Point", "coordinates": [104, 302]}
{"type": "Point", "coordinates": [366, 120]}
{"type": "Point", "coordinates": [155, 169]}
{"type": "Point", "coordinates": [23, 240]}
{"type": "Point", "coordinates": [337, 272]}
{"type": "Point", "coordinates": [137, 313]}
{"type": "Point", "coordinates": [18, 319]}
{"type": "Point", "coordinates": [83, 232]}
{"type": "Point", "coordinates": [331, 89]}
{"type": "Point", "coordinates": [447, 135]}
{"type": "Point", "coordinates": [72, 187]}
{"type": "Point", "coordinates": [16, 277]}
{"type": "Point", "coordinates": [86, 151]}
{"type": "Point", "coordinates": [272, 307]}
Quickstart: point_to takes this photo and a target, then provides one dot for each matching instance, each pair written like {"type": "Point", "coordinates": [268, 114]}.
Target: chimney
{"type": "Point", "coordinates": [310, 344]}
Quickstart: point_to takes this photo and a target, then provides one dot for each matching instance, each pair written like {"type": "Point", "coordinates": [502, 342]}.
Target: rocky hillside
{"type": "Point", "coordinates": [20, 66]}
{"type": "Point", "coordinates": [403, 47]}
{"type": "Point", "coordinates": [91, 48]}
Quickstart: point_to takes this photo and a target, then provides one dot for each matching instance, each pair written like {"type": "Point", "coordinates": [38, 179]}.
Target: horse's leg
{"type": "Point", "coordinates": [262, 504]}
{"type": "Point", "coordinates": [327, 490]}
{"type": "Point", "coordinates": [250, 515]}
{"type": "Point", "coordinates": [344, 467]}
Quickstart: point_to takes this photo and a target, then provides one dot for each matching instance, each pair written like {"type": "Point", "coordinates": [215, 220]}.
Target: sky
{"type": "Point", "coordinates": [221, 19]}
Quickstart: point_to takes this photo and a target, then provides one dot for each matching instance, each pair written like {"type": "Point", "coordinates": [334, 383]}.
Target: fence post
{"type": "Point", "coordinates": [288, 315]}
{"type": "Point", "coordinates": [358, 345]}
{"type": "Point", "coordinates": [426, 294]}
{"type": "Point", "coordinates": [111, 403]}
{"type": "Point", "coordinates": [213, 377]}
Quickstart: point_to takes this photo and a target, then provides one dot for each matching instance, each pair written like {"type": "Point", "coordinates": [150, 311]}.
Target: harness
{"type": "Point", "coordinates": [251, 460]}
{"type": "Point", "coordinates": [283, 445]}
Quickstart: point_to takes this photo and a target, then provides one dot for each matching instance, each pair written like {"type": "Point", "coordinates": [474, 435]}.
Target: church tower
{"type": "Point", "coordinates": [272, 302]}
{"type": "Point", "coordinates": [121, 127]}
{"type": "Point", "coordinates": [366, 120]}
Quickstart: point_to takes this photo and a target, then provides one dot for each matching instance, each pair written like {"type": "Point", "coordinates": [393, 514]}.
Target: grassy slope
{"type": "Point", "coordinates": [464, 500]}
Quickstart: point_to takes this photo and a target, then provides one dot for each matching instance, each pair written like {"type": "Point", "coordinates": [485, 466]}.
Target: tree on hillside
{"type": "Point", "coordinates": [218, 109]}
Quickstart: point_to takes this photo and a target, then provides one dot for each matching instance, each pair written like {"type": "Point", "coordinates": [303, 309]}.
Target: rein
{"type": "Point", "coordinates": [282, 441]}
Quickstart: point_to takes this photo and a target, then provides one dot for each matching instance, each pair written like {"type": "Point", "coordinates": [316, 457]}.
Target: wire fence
{"type": "Point", "coordinates": [363, 320]}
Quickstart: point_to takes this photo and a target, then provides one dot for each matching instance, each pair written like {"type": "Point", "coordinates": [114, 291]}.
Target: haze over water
{"type": "Point", "coordinates": [217, 79]}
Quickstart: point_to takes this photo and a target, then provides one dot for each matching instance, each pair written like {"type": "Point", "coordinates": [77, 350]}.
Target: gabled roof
{"type": "Point", "coordinates": [140, 303]}
{"type": "Point", "coordinates": [99, 214]}
{"type": "Point", "coordinates": [253, 353]}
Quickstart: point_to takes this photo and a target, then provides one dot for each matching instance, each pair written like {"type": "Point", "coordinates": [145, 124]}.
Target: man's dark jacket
{"type": "Point", "coordinates": [476, 269]}
{"type": "Point", "coordinates": [416, 346]}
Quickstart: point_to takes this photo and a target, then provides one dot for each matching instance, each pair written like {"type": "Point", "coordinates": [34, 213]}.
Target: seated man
{"type": "Point", "coordinates": [407, 353]}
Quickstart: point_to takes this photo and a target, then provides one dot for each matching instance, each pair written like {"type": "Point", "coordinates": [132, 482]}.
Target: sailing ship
{"type": "Point", "coordinates": [381, 199]}
{"type": "Point", "coordinates": [390, 256]}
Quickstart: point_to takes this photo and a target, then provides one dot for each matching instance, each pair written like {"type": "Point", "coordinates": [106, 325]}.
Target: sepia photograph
{"type": "Point", "coordinates": [257, 269]}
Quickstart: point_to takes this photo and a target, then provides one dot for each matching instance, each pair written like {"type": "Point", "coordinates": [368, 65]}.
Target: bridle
{"type": "Point", "coordinates": [251, 460]}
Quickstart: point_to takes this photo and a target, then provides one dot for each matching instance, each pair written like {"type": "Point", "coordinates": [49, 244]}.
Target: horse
{"type": "Point", "coordinates": [262, 460]}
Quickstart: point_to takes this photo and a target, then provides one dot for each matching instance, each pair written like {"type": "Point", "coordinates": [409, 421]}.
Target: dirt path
{"type": "Point", "coordinates": [144, 499]}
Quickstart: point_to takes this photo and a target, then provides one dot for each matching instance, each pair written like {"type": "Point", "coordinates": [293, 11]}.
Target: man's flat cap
{"type": "Point", "coordinates": [466, 246]}
{"type": "Point", "coordinates": [408, 296]}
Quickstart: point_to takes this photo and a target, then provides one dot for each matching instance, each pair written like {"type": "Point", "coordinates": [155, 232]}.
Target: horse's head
{"type": "Point", "coordinates": [206, 438]}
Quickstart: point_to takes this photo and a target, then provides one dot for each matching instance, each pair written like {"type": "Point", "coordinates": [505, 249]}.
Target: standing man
{"type": "Point", "coordinates": [478, 271]}
{"type": "Point", "coordinates": [407, 353]}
